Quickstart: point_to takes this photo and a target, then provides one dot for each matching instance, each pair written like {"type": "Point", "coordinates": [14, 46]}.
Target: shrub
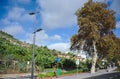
{"type": "Point", "coordinates": [48, 74]}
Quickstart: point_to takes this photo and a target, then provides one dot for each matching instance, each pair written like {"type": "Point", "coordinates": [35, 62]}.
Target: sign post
{"type": "Point", "coordinates": [77, 63]}
{"type": "Point", "coordinates": [58, 70]}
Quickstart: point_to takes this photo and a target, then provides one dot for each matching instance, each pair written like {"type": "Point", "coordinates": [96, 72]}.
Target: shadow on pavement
{"type": "Point", "coordinates": [106, 76]}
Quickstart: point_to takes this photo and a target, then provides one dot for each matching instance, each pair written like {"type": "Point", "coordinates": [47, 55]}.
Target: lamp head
{"type": "Point", "coordinates": [32, 13]}
{"type": "Point", "coordinates": [38, 30]}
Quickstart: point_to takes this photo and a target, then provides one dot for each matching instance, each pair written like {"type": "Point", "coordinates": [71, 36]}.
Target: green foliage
{"type": "Point", "coordinates": [48, 74]}
{"type": "Point", "coordinates": [85, 66]}
{"type": "Point", "coordinates": [118, 69]}
{"type": "Point", "coordinates": [95, 23]}
{"type": "Point", "coordinates": [44, 57]}
{"type": "Point", "coordinates": [51, 74]}
{"type": "Point", "coordinates": [21, 54]}
{"type": "Point", "coordinates": [95, 34]}
{"type": "Point", "coordinates": [3, 44]}
{"type": "Point", "coordinates": [72, 72]}
{"type": "Point", "coordinates": [69, 64]}
{"type": "Point", "coordinates": [5, 34]}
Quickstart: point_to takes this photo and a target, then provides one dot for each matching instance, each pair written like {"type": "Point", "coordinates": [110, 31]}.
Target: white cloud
{"type": "Point", "coordinates": [42, 38]}
{"type": "Point", "coordinates": [23, 1]}
{"type": "Point", "coordinates": [56, 37]}
{"type": "Point", "coordinates": [99, 0]}
{"type": "Point", "coordinates": [15, 13]}
{"type": "Point", "coordinates": [115, 6]}
{"type": "Point", "coordinates": [18, 14]}
{"type": "Point", "coordinates": [14, 29]}
{"type": "Point", "coordinates": [59, 13]}
{"type": "Point", "coordinates": [5, 21]}
{"type": "Point", "coordinates": [60, 46]}
{"type": "Point", "coordinates": [118, 24]}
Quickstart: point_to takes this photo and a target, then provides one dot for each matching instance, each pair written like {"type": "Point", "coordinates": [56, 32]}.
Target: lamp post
{"type": "Point", "coordinates": [33, 47]}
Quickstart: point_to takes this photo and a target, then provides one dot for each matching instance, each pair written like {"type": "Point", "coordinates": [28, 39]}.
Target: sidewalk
{"type": "Point", "coordinates": [86, 75]}
{"type": "Point", "coordinates": [11, 76]}
{"type": "Point", "coordinates": [74, 76]}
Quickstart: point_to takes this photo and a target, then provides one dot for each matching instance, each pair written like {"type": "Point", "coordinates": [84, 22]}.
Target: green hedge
{"type": "Point", "coordinates": [48, 74]}
{"type": "Point", "coordinates": [52, 74]}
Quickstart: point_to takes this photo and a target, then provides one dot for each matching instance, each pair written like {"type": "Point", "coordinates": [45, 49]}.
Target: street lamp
{"type": "Point", "coordinates": [33, 49]}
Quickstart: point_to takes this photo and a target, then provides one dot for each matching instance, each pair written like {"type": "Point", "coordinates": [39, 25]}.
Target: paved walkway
{"type": "Point", "coordinates": [76, 76]}
{"type": "Point", "coordinates": [14, 76]}
{"type": "Point", "coordinates": [86, 75]}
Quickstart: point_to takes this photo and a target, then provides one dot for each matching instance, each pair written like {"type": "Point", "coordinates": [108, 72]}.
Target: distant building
{"type": "Point", "coordinates": [73, 56]}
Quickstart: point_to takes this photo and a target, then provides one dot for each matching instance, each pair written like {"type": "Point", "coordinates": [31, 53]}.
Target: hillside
{"type": "Point", "coordinates": [13, 40]}
{"type": "Point", "coordinates": [15, 56]}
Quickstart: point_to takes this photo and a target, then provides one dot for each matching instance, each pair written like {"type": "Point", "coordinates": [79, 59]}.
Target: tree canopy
{"type": "Point", "coordinates": [95, 21]}
{"type": "Point", "coordinates": [96, 30]}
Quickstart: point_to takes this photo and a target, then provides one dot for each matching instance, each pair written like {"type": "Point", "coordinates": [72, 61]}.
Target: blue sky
{"type": "Point", "coordinates": [56, 18]}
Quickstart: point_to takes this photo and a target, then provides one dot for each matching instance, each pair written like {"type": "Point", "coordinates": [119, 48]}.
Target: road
{"type": "Point", "coordinates": [98, 75]}
{"type": "Point", "coordinates": [17, 78]}
{"type": "Point", "coordinates": [101, 74]}
{"type": "Point", "coordinates": [115, 75]}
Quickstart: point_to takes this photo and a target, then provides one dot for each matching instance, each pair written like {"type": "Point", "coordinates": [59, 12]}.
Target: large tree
{"type": "Point", "coordinates": [96, 23]}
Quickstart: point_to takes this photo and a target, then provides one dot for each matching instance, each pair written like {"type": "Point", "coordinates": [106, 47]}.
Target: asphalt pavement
{"type": "Point", "coordinates": [115, 75]}
{"type": "Point", "coordinates": [101, 74]}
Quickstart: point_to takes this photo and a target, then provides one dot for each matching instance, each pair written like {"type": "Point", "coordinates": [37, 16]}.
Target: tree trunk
{"type": "Point", "coordinates": [94, 58]}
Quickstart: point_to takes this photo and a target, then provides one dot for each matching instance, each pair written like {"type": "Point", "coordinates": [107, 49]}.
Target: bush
{"type": "Point", "coordinates": [48, 74]}
{"type": "Point", "coordinates": [84, 66]}
{"type": "Point", "coordinates": [52, 74]}
{"type": "Point", "coordinates": [118, 69]}
{"type": "Point", "coordinates": [71, 72]}
{"type": "Point", "coordinates": [69, 64]}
